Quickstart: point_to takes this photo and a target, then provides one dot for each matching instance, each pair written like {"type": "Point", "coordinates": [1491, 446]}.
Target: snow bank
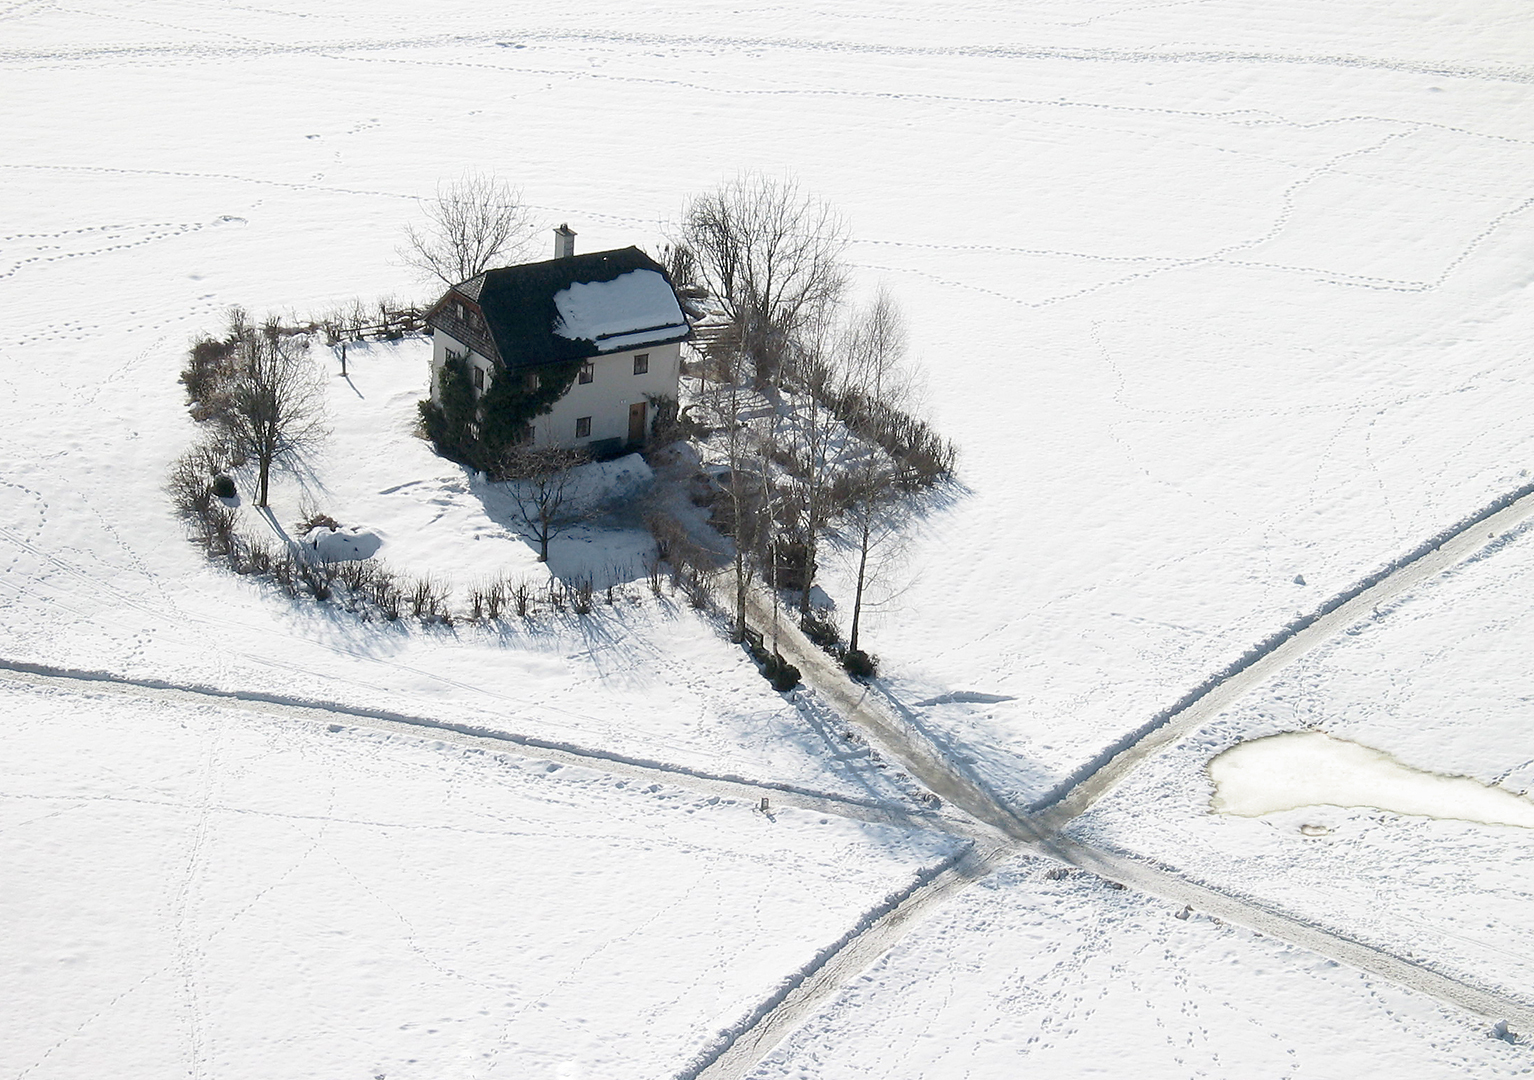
{"type": "Point", "coordinates": [348, 543]}
{"type": "Point", "coordinates": [635, 308]}
{"type": "Point", "coordinates": [1310, 768]}
{"type": "Point", "coordinates": [600, 484]}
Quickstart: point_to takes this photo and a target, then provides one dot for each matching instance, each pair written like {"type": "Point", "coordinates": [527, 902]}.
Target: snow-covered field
{"type": "Point", "coordinates": [1225, 303]}
{"type": "Point", "coordinates": [1441, 680]}
{"type": "Point", "coordinates": [1024, 975]}
{"type": "Point", "coordinates": [208, 891]}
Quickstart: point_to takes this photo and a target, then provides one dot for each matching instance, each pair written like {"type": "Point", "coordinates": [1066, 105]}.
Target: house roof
{"type": "Point", "coordinates": [583, 305]}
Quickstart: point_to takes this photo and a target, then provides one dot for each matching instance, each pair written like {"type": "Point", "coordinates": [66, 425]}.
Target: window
{"type": "Point", "coordinates": [641, 363]}
{"type": "Point", "coordinates": [588, 372]}
{"type": "Point", "coordinates": [583, 427]}
{"type": "Point", "coordinates": [479, 378]}
{"type": "Point", "coordinates": [530, 381]}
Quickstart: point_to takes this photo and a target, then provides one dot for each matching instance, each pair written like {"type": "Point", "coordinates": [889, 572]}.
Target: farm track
{"type": "Point", "coordinates": [900, 737]}
{"type": "Point", "coordinates": [996, 831]}
{"type": "Point", "coordinates": [1039, 832]}
{"type": "Point", "coordinates": [337, 717]}
{"type": "Point", "coordinates": [1500, 519]}
{"type": "Point", "coordinates": [737, 1051]}
{"type": "Point", "coordinates": [513, 35]}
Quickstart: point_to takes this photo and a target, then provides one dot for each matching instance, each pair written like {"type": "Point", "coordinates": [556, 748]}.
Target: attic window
{"type": "Point", "coordinates": [588, 371]}
{"type": "Point", "coordinates": [641, 363]}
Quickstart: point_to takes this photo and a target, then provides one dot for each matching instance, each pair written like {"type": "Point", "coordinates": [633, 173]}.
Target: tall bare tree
{"type": "Point", "coordinates": [818, 437]}
{"type": "Point", "coordinates": [771, 256]}
{"type": "Point", "coordinates": [273, 411]}
{"type": "Point", "coordinates": [542, 490]}
{"type": "Point", "coordinates": [875, 374]}
{"type": "Point", "coordinates": [474, 223]}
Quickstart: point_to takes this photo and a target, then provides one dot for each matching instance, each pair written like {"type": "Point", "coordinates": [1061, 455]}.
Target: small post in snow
{"type": "Point", "coordinates": [763, 807]}
{"type": "Point", "coordinates": [343, 359]}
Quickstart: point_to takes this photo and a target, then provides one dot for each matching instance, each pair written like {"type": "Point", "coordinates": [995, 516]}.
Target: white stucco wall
{"type": "Point", "coordinates": [441, 345]}
{"type": "Point", "coordinates": [606, 399]}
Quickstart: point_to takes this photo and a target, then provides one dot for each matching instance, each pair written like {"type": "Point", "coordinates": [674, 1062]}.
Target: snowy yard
{"type": "Point", "coordinates": [1226, 305]}
{"type": "Point", "coordinates": [1440, 678]}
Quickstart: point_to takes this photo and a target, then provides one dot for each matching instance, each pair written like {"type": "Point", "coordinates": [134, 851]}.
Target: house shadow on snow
{"type": "Point", "coordinates": [600, 535]}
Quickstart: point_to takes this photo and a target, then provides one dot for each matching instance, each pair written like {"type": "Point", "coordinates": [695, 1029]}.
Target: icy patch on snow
{"type": "Point", "coordinates": [635, 308]}
{"type": "Point", "coordinates": [965, 697]}
{"type": "Point", "coordinates": [345, 544]}
{"type": "Point", "coordinates": [1309, 768]}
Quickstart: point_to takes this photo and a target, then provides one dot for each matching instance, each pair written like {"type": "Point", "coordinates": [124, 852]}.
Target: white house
{"type": "Point", "coordinates": [616, 310]}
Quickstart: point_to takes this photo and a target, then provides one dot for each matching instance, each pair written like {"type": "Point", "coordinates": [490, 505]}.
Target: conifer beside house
{"type": "Point", "coordinates": [577, 351]}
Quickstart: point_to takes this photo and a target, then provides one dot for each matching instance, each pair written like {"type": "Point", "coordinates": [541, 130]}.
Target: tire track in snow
{"type": "Point", "coordinates": [1502, 517]}
{"type": "Point", "coordinates": [737, 1049]}
{"type": "Point", "coordinates": [337, 716]}
{"type": "Point", "coordinates": [187, 174]}
{"type": "Point", "coordinates": [721, 43]}
{"type": "Point", "coordinates": [937, 767]}
{"type": "Point", "coordinates": [1414, 973]}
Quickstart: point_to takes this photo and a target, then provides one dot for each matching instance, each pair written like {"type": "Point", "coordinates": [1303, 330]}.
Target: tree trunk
{"type": "Point", "coordinates": [740, 589]}
{"type": "Point", "coordinates": [857, 601]}
{"type": "Point", "coordinates": [265, 464]}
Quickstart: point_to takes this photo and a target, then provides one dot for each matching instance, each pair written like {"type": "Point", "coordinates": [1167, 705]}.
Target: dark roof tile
{"type": "Point", "coordinates": [518, 305]}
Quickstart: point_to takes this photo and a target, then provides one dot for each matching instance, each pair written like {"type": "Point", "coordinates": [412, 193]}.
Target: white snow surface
{"type": "Point", "coordinates": [349, 543]}
{"type": "Point", "coordinates": [205, 890]}
{"type": "Point", "coordinates": [1311, 769]}
{"type": "Point", "coordinates": [1216, 298]}
{"type": "Point", "coordinates": [1440, 678]}
{"type": "Point", "coordinates": [1070, 979]}
{"type": "Point", "coordinates": [635, 308]}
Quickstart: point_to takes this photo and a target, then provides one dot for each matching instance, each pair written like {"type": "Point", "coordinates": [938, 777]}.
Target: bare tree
{"type": "Point", "coordinates": [274, 409]}
{"type": "Point", "coordinates": [474, 222]}
{"type": "Point", "coordinates": [817, 437]}
{"type": "Point", "coordinates": [743, 492]}
{"type": "Point", "coordinates": [770, 256]}
{"type": "Point", "coordinates": [541, 490]}
{"type": "Point", "coordinates": [875, 351]}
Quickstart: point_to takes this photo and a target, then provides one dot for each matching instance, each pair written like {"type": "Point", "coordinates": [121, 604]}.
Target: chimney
{"type": "Point", "coordinates": [564, 242]}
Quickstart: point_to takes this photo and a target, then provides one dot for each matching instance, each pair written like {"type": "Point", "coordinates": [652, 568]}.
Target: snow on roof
{"type": "Point", "coordinates": [634, 308]}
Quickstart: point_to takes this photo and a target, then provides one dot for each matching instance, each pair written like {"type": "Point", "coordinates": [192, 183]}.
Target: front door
{"type": "Point", "coordinates": [637, 422]}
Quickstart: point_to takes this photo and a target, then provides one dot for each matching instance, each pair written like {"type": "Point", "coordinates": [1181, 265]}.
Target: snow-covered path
{"type": "Point", "coordinates": [1496, 523]}
{"type": "Point", "coordinates": [1225, 302]}
{"type": "Point", "coordinates": [336, 717]}
{"type": "Point", "coordinates": [1039, 831]}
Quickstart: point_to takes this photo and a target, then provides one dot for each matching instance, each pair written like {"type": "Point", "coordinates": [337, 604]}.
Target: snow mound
{"type": "Point", "coordinates": [636, 308]}
{"type": "Point", "coordinates": [1309, 768]}
{"type": "Point", "coordinates": [607, 483]}
{"type": "Point", "coordinates": [346, 544]}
